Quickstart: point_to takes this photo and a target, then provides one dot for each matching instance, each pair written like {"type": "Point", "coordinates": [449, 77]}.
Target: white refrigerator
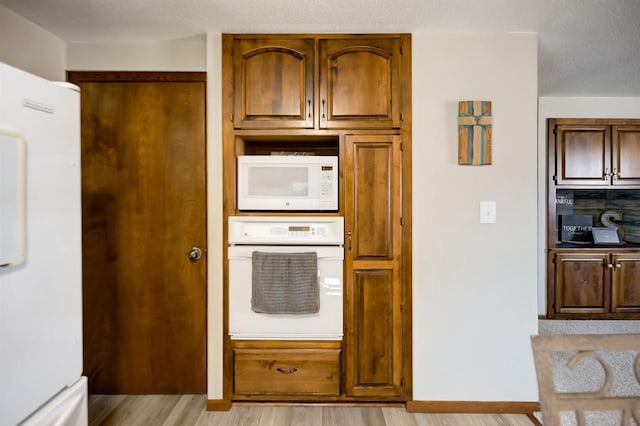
{"type": "Point", "coordinates": [41, 380]}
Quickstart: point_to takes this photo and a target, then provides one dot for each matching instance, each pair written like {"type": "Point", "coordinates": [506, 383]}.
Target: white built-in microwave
{"type": "Point", "coordinates": [287, 182]}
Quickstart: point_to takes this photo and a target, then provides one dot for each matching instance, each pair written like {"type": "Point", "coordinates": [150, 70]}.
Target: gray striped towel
{"type": "Point", "coordinates": [285, 283]}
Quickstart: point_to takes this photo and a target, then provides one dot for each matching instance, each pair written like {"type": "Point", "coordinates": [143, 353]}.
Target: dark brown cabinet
{"type": "Point", "coordinates": [373, 308]}
{"type": "Point", "coordinates": [582, 283]}
{"type": "Point", "coordinates": [594, 169]}
{"type": "Point", "coordinates": [359, 82]}
{"type": "Point", "coordinates": [625, 155]}
{"type": "Point", "coordinates": [595, 284]}
{"type": "Point", "coordinates": [625, 282]}
{"type": "Point", "coordinates": [596, 154]}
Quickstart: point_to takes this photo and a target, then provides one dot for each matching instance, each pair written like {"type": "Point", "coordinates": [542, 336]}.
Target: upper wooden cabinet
{"type": "Point", "coordinates": [289, 82]}
{"type": "Point", "coordinates": [273, 83]}
{"type": "Point", "coordinates": [595, 153]}
{"type": "Point", "coordinates": [625, 155]}
{"type": "Point", "coordinates": [359, 83]}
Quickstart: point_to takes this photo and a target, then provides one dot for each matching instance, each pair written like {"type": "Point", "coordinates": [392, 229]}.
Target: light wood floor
{"type": "Point", "coordinates": [189, 410]}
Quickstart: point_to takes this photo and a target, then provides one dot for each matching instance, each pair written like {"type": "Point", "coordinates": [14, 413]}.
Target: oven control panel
{"type": "Point", "coordinates": [299, 231]}
{"type": "Point", "coordinates": [285, 230]}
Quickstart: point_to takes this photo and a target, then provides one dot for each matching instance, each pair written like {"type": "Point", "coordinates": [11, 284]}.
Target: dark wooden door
{"type": "Point", "coordinates": [583, 155]}
{"type": "Point", "coordinates": [582, 283]}
{"type": "Point", "coordinates": [626, 155]}
{"type": "Point", "coordinates": [625, 283]}
{"type": "Point", "coordinates": [359, 83]}
{"type": "Point", "coordinates": [273, 83]}
{"type": "Point", "coordinates": [143, 189]}
{"type": "Point", "coordinates": [373, 312]}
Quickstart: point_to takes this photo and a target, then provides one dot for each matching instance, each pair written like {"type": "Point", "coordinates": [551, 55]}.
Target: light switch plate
{"type": "Point", "coordinates": [487, 212]}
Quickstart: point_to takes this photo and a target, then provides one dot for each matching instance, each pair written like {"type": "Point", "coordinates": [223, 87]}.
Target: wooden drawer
{"type": "Point", "coordinates": [287, 371]}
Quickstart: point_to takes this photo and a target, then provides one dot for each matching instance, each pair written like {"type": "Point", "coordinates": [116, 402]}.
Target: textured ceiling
{"type": "Point", "coordinates": [585, 47]}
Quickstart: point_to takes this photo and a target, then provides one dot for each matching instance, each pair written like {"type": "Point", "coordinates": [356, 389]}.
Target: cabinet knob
{"type": "Point", "coordinates": [606, 174]}
{"type": "Point", "coordinates": [610, 265]}
{"type": "Point", "coordinates": [615, 174]}
{"type": "Point", "coordinates": [618, 265]}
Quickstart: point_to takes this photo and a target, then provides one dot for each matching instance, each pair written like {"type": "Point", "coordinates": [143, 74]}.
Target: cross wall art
{"type": "Point", "coordinates": [474, 133]}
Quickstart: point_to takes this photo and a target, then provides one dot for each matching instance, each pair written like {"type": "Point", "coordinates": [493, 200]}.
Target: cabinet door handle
{"type": "Point", "coordinates": [309, 102]}
{"type": "Point", "coordinates": [323, 115]}
{"type": "Point", "coordinates": [289, 371]}
{"type": "Point", "coordinates": [350, 237]}
{"type": "Point", "coordinates": [615, 174]}
{"type": "Point", "coordinates": [606, 174]}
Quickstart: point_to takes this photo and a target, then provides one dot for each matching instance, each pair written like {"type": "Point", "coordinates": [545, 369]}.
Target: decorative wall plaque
{"type": "Point", "coordinates": [474, 133]}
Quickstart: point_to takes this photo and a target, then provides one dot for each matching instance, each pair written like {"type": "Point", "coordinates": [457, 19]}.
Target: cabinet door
{"type": "Point", "coordinates": [581, 283]}
{"type": "Point", "coordinates": [359, 83]}
{"type": "Point", "coordinates": [372, 278]}
{"type": "Point", "coordinates": [625, 283]}
{"type": "Point", "coordinates": [626, 155]}
{"type": "Point", "coordinates": [273, 83]}
{"type": "Point", "coordinates": [583, 155]}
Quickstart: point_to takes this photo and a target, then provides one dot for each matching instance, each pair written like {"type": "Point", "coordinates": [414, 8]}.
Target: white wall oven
{"type": "Point", "coordinates": [285, 277]}
{"type": "Point", "coordinates": [287, 182]}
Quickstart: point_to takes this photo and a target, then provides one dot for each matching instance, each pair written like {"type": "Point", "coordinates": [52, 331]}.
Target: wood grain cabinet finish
{"type": "Point", "coordinates": [273, 83]}
{"type": "Point", "coordinates": [373, 308]}
{"type": "Point", "coordinates": [594, 284]}
{"type": "Point", "coordinates": [625, 283]}
{"type": "Point", "coordinates": [359, 83]}
{"type": "Point", "coordinates": [583, 155]}
{"type": "Point", "coordinates": [598, 155]}
{"type": "Point", "coordinates": [331, 94]}
{"type": "Point", "coordinates": [312, 372]}
{"type": "Point", "coordinates": [582, 283]}
{"type": "Point", "coordinates": [625, 155]}
{"type": "Point", "coordinates": [592, 157]}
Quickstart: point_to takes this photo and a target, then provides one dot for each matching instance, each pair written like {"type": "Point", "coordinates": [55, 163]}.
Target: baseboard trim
{"type": "Point", "coordinates": [477, 407]}
{"type": "Point", "coordinates": [218, 404]}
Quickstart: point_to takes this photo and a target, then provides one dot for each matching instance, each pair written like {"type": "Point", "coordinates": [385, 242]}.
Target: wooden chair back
{"type": "Point", "coordinates": [582, 348]}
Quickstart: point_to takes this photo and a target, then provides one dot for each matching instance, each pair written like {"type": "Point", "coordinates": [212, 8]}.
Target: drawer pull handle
{"type": "Point", "coordinates": [289, 371]}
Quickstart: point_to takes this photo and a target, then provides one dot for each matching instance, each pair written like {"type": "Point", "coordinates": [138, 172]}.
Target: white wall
{"type": "Point", "coordinates": [214, 220]}
{"type": "Point", "coordinates": [25, 45]}
{"type": "Point", "coordinates": [552, 107]}
{"type": "Point", "coordinates": [474, 286]}
{"type": "Point", "coordinates": [188, 54]}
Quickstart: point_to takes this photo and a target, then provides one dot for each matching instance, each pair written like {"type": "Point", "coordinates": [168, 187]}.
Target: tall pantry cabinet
{"type": "Point", "coordinates": [349, 96]}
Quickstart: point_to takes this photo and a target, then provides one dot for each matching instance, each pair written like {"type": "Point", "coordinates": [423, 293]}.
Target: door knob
{"type": "Point", "coordinates": [195, 254]}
